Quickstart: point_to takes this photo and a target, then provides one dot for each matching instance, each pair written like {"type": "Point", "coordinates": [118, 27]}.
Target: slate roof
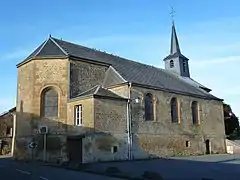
{"type": "Point", "coordinates": [131, 71]}
{"type": "Point", "coordinates": [176, 54]}
{"type": "Point", "coordinates": [100, 91]}
{"type": "Point", "coordinates": [7, 112]}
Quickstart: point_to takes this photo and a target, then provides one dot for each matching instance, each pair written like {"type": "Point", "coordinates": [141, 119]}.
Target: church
{"type": "Point", "coordinates": [78, 104]}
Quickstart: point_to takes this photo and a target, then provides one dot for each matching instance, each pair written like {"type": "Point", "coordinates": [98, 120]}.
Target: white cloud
{"type": "Point", "coordinates": [217, 61]}
{"type": "Point", "coordinates": [18, 54]}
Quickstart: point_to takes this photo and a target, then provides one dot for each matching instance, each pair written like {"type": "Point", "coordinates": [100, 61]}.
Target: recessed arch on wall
{"type": "Point", "coordinates": [175, 110]}
{"type": "Point", "coordinates": [171, 64]}
{"type": "Point", "coordinates": [49, 102]}
{"type": "Point", "coordinates": [195, 112]}
{"type": "Point", "coordinates": [149, 107]}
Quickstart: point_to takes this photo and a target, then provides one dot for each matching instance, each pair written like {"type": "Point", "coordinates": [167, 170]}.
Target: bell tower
{"type": "Point", "coordinates": [176, 61]}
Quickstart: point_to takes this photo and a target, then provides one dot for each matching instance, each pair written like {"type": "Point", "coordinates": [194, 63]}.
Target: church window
{"type": "Point", "coordinates": [171, 64]}
{"type": "Point", "coordinates": [148, 101]}
{"type": "Point", "coordinates": [49, 100]}
{"type": "Point", "coordinates": [195, 114]}
{"type": "Point", "coordinates": [184, 66]}
{"type": "Point", "coordinates": [174, 110]}
{"type": "Point", "coordinates": [78, 115]}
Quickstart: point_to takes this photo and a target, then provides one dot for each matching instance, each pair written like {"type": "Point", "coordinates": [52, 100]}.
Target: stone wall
{"type": "Point", "coordinates": [33, 78]}
{"type": "Point", "coordinates": [110, 126]}
{"type": "Point", "coordinates": [6, 133]}
{"type": "Point", "coordinates": [84, 76]}
{"type": "Point", "coordinates": [161, 137]}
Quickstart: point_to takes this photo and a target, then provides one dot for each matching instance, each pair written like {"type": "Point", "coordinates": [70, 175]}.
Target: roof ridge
{"type": "Point", "coordinates": [45, 42]}
{"type": "Point", "coordinates": [103, 52]}
{"type": "Point", "coordinates": [95, 92]}
{"type": "Point", "coordinates": [65, 52]}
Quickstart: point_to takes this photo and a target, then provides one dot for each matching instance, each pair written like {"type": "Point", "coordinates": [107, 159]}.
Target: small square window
{"type": "Point", "coordinates": [187, 143]}
{"type": "Point", "coordinates": [114, 149]}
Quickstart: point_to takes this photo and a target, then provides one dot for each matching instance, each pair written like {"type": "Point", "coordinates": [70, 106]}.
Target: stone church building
{"type": "Point", "coordinates": [82, 105]}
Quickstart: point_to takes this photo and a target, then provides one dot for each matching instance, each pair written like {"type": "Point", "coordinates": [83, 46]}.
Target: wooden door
{"type": "Point", "coordinates": [74, 147]}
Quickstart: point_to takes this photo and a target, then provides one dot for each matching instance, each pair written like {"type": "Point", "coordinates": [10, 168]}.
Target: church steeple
{"type": "Point", "coordinates": [175, 61]}
{"type": "Point", "coordinates": [174, 41]}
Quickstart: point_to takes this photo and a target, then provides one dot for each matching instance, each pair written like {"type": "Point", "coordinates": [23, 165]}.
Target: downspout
{"type": "Point", "coordinates": [13, 134]}
{"type": "Point", "coordinates": [129, 123]}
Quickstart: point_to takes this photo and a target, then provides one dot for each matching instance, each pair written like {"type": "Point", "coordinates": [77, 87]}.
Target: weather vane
{"type": "Point", "coordinates": [172, 14]}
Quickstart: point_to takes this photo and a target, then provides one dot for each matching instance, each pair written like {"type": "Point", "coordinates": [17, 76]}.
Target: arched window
{"type": "Point", "coordinates": [184, 66]}
{"type": "Point", "coordinates": [148, 101]}
{"type": "Point", "coordinates": [174, 110]}
{"type": "Point", "coordinates": [171, 64]}
{"type": "Point", "coordinates": [49, 102]}
{"type": "Point", "coordinates": [194, 108]}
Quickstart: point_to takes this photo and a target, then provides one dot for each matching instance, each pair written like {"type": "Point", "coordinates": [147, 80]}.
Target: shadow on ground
{"type": "Point", "coordinates": [210, 167]}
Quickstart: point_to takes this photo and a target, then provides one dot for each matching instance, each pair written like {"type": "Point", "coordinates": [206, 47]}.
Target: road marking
{"type": "Point", "coordinates": [24, 172]}
{"type": "Point", "coordinates": [43, 178]}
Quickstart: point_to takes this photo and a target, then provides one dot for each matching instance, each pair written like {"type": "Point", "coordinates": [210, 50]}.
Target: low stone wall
{"type": "Point", "coordinates": [232, 147]}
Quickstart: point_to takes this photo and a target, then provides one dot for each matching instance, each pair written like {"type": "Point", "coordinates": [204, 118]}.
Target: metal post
{"type": "Point", "coordinates": [128, 132]}
{"type": "Point", "coordinates": [13, 134]}
{"type": "Point", "coordinates": [44, 146]}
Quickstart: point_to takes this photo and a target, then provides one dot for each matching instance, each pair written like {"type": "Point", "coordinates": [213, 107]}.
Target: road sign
{"type": "Point", "coordinates": [32, 145]}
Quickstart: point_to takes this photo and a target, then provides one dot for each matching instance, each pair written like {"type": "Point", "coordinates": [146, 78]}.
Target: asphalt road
{"type": "Point", "coordinates": [212, 167]}
{"type": "Point", "coordinates": [11, 170]}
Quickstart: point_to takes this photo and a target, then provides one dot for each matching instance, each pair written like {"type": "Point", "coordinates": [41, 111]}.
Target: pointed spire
{"type": "Point", "coordinates": [174, 41]}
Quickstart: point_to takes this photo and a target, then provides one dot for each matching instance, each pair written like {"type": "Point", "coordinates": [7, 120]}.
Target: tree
{"type": "Point", "coordinates": [232, 128]}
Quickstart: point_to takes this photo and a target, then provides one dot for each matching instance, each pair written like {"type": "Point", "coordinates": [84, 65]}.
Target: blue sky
{"type": "Point", "coordinates": [208, 32]}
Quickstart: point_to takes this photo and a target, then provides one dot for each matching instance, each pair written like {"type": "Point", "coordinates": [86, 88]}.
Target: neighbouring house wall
{"type": "Point", "coordinates": [6, 133]}
{"type": "Point", "coordinates": [84, 76]}
{"type": "Point", "coordinates": [33, 78]}
{"type": "Point", "coordinates": [161, 137]}
{"type": "Point", "coordinates": [110, 125]}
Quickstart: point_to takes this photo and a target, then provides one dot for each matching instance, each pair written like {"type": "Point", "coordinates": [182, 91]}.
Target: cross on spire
{"type": "Point", "coordinates": [172, 14]}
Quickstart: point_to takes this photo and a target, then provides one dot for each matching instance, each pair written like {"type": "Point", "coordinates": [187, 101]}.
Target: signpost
{"type": "Point", "coordinates": [44, 130]}
{"type": "Point", "coordinates": [33, 145]}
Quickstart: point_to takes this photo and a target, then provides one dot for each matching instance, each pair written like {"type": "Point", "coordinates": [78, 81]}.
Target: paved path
{"type": "Point", "coordinates": [11, 170]}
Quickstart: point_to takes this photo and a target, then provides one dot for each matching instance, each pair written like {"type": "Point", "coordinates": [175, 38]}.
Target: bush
{"type": "Point", "coordinates": [152, 175]}
{"type": "Point", "coordinates": [112, 170]}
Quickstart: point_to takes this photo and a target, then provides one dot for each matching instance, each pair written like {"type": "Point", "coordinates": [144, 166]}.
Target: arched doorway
{"type": "Point", "coordinates": [208, 146]}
